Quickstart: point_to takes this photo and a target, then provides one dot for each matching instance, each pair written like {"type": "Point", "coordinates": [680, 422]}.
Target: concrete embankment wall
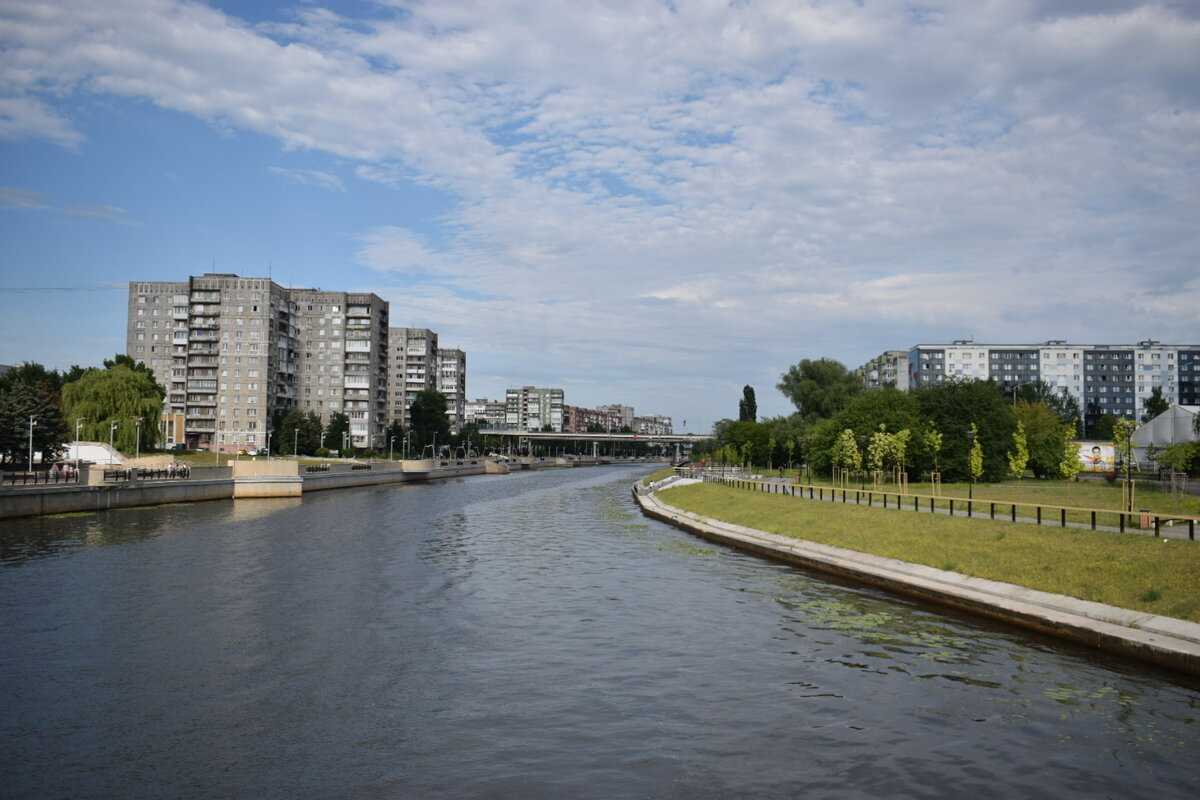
{"type": "Point", "coordinates": [1163, 641]}
{"type": "Point", "coordinates": [68, 499]}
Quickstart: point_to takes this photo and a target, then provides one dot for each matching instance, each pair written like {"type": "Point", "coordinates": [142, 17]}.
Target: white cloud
{"type": "Point", "coordinates": [26, 118]}
{"type": "Point", "coordinates": [113, 214]}
{"type": "Point", "coordinates": [856, 174]}
{"type": "Point", "coordinates": [311, 177]}
{"type": "Point", "coordinates": [15, 197]}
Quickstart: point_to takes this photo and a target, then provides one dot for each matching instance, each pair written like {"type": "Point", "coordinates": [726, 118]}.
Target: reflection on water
{"type": "Point", "coordinates": [527, 635]}
{"type": "Point", "coordinates": [24, 539]}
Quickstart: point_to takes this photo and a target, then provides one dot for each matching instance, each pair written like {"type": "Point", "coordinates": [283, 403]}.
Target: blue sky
{"type": "Point", "coordinates": [647, 203]}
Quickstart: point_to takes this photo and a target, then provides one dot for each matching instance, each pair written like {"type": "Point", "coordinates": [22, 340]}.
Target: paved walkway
{"type": "Point", "coordinates": [1164, 641]}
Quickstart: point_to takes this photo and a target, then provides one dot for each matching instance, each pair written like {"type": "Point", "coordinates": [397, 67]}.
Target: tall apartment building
{"type": "Point", "coordinates": [344, 360]}
{"type": "Point", "coordinates": [1114, 379]}
{"type": "Point", "coordinates": [229, 351]}
{"type": "Point", "coordinates": [452, 383]}
{"type": "Point", "coordinates": [532, 409]}
{"type": "Point", "coordinates": [412, 368]}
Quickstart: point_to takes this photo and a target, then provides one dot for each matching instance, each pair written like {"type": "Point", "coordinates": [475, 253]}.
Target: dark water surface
{"type": "Point", "coordinates": [528, 635]}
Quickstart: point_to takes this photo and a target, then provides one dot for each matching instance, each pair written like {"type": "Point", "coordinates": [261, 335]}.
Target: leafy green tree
{"type": "Point", "coordinates": [1181, 457]}
{"type": "Point", "coordinates": [751, 440]}
{"type": "Point", "coordinates": [1122, 432]}
{"type": "Point", "coordinates": [395, 436]}
{"type": "Point", "coordinates": [864, 414]}
{"type": "Point", "coordinates": [428, 420]}
{"type": "Point", "coordinates": [1103, 427]}
{"type": "Point", "coordinates": [284, 425]}
{"type": "Point", "coordinates": [820, 388]}
{"type": "Point", "coordinates": [931, 443]}
{"type": "Point", "coordinates": [116, 395]}
{"type": "Point", "coordinates": [18, 405]}
{"type": "Point", "coordinates": [335, 434]}
{"type": "Point", "coordinates": [298, 431]}
{"type": "Point", "coordinates": [878, 448]}
{"type": "Point", "coordinates": [1018, 457]}
{"type": "Point", "coordinates": [845, 452]}
{"type": "Point", "coordinates": [975, 455]}
{"type": "Point", "coordinates": [953, 407]}
{"type": "Point", "coordinates": [1069, 465]}
{"type": "Point", "coordinates": [1064, 405]}
{"type": "Point", "coordinates": [1155, 404]}
{"type": "Point", "coordinates": [1044, 435]}
{"type": "Point", "coordinates": [747, 406]}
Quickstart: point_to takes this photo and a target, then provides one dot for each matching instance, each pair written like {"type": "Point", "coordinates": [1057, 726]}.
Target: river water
{"type": "Point", "coordinates": [521, 636]}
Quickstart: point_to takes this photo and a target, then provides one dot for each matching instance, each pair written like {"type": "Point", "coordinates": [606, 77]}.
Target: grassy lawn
{"type": "Point", "coordinates": [1126, 570]}
{"type": "Point", "coordinates": [658, 476]}
{"type": "Point", "coordinates": [1085, 494]}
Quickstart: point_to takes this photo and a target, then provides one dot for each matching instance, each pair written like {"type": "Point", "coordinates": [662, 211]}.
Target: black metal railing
{"type": "Point", "coordinates": [41, 478]}
{"type": "Point", "coordinates": [1124, 520]}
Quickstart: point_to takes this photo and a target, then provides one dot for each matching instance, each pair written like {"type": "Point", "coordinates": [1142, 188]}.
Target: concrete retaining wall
{"type": "Point", "coordinates": [1164, 641]}
{"type": "Point", "coordinates": [67, 499]}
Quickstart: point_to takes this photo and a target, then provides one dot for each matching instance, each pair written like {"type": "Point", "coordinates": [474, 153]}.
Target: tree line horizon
{"type": "Point", "coordinates": [963, 429]}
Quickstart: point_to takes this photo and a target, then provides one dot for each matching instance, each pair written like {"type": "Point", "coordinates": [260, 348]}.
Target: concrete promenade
{"type": "Point", "coordinates": [1163, 641]}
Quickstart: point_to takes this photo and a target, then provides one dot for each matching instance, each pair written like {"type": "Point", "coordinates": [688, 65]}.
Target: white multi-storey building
{"type": "Point", "coordinates": [452, 383]}
{"type": "Point", "coordinates": [1114, 379]}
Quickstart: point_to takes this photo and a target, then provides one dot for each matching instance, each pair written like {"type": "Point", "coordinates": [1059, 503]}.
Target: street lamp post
{"type": "Point", "coordinates": [407, 436]}
{"type": "Point", "coordinates": [78, 424]}
{"type": "Point", "coordinates": [137, 445]}
{"type": "Point", "coordinates": [391, 443]}
{"type": "Point", "coordinates": [269, 445]}
{"type": "Point", "coordinates": [296, 441]}
{"type": "Point", "coordinates": [111, 429]}
{"type": "Point", "coordinates": [32, 422]}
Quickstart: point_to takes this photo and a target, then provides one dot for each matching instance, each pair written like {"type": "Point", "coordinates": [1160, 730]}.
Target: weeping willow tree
{"type": "Point", "coordinates": [117, 395]}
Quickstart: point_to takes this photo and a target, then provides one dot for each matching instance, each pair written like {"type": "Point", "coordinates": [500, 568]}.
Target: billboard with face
{"type": "Point", "coordinates": [1097, 456]}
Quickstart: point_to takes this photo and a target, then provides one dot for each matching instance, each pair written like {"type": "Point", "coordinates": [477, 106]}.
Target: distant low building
{"type": "Point", "coordinates": [580, 420]}
{"type": "Point", "coordinates": [652, 425]}
{"type": "Point", "coordinates": [485, 413]}
{"type": "Point", "coordinates": [888, 369]}
{"type": "Point", "coordinates": [624, 414]}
